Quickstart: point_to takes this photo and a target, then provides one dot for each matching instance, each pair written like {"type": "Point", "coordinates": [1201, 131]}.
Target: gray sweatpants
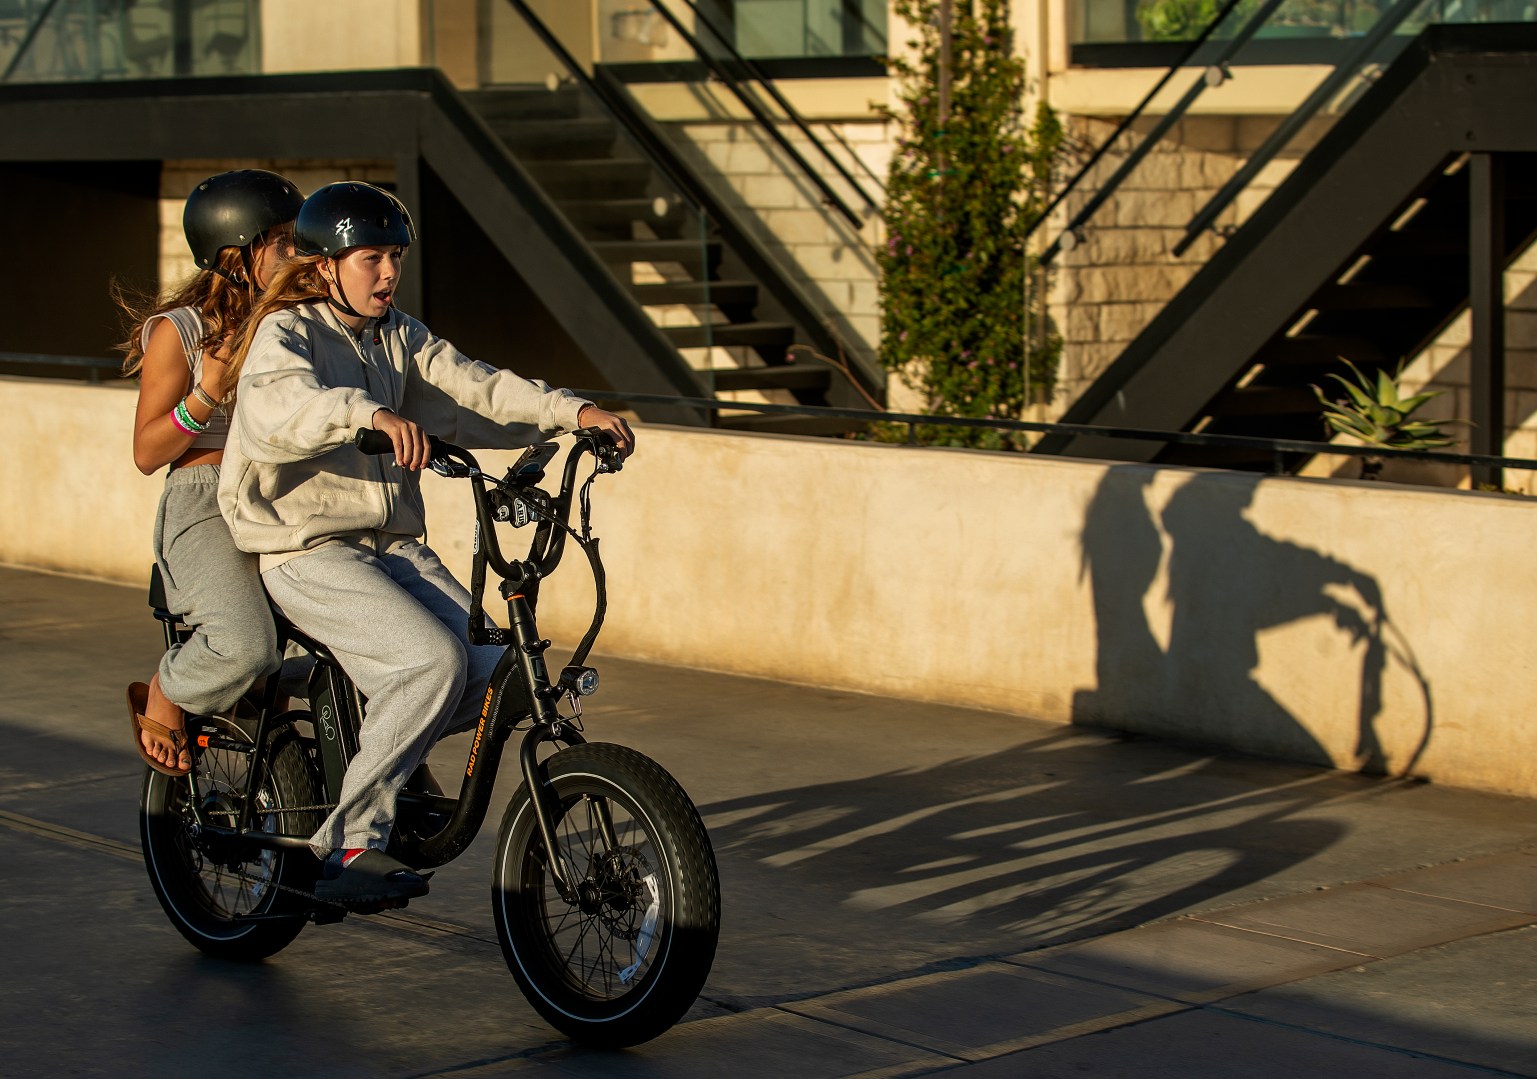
{"type": "Point", "coordinates": [398, 623]}
{"type": "Point", "coordinates": [216, 590]}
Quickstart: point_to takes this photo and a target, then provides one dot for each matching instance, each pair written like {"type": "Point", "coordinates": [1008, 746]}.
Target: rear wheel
{"type": "Point", "coordinates": [229, 898]}
{"type": "Point", "coordinates": [622, 960]}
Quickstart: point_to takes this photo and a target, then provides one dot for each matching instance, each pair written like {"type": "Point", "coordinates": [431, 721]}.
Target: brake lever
{"type": "Point", "coordinates": [604, 452]}
{"type": "Point", "coordinates": [453, 470]}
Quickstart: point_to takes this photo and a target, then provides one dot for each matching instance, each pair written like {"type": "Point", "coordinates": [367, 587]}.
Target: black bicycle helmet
{"type": "Point", "coordinates": [233, 208]}
{"type": "Point", "coordinates": [351, 214]}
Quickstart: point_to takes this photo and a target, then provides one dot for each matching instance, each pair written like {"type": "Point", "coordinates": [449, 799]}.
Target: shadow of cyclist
{"type": "Point", "coordinates": [1065, 836]}
{"type": "Point", "coordinates": [1227, 582]}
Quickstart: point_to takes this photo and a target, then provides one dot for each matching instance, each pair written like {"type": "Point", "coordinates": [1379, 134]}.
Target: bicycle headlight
{"type": "Point", "coordinates": [583, 681]}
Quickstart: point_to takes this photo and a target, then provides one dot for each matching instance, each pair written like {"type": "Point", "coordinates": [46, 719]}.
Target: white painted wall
{"type": "Point", "coordinates": [1206, 606]}
{"type": "Point", "coordinates": [340, 35]}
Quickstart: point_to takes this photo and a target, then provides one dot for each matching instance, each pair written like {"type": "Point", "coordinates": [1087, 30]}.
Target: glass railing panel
{"type": "Point", "coordinates": [92, 40]}
{"type": "Point", "coordinates": [1319, 28]}
{"type": "Point", "coordinates": [779, 29]}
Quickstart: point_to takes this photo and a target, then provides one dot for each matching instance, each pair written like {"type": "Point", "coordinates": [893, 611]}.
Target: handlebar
{"type": "Point", "coordinates": [498, 500]}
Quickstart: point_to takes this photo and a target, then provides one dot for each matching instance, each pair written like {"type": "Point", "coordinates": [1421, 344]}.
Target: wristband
{"type": "Point", "coordinates": [183, 419]}
{"type": "Point", "coordinates": [203, 395]}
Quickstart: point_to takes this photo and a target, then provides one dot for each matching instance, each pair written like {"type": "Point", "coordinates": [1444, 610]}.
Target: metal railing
{"type": "Point", "coordinates": [99, 369]}
{"type": "Point", "coordinates": [1278, 447]}
{"type": "Point", "coordinates": [711, 210]}
{"type": "Point", "coordinates": [92, 369]}
{"type": "Point", "coordinates": [1215, 75]}
{"type": "Point", "coordinates": [723, 72]}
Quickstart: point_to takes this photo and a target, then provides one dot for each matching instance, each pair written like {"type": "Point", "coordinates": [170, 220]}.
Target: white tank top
{"type": "Point", "coordinates": [189, 327]}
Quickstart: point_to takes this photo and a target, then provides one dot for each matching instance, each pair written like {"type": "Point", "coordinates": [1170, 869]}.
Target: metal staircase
{"type": "Point", "coordinates": [1364, 253]}
{"type": "Point", "coordinates": [1400, 290]}
{"type": "Point", "coordinates": [671, 238]}
{"type": "Point", "coordinates": [669, 257]}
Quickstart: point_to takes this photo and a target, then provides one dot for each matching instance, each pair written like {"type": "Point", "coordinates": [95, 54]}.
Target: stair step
{"type": "Point", "coordinates": [778, 376]}
{"type": "Point", "coordinates": [609, 212]}
{"type": "Point", "coordinates": [689, 252]}
{"type": "Point", "coordinates": [563, 138]}
{"type": "Point", "coordinates": [619, 177]}
{"type": "Point", "coordinates": [1311, 350]}
{"type": "Point", "coordinates": [1373, 296]}
{"type": "Point", "coordinates": [1420, 243]}
{"type": "Point", "coordinates": [764, 335]}
{"type": "Point", "coordinates": [1269, 401]}
{"type": "Point", "coordinates": [530, 103]}
{"type": "Point", "coordinates": [719, 293]}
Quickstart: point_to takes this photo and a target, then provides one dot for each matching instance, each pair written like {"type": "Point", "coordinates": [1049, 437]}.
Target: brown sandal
{"type": "Point", "coordinates": [138, 701]}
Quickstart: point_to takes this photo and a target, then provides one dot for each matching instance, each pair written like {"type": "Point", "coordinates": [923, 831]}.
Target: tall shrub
{"type": "Point", "coordinates": [961, 324]}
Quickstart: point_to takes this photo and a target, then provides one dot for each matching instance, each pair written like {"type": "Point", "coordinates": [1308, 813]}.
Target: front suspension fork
{"type": "Point", "coordinates": [549, 726]}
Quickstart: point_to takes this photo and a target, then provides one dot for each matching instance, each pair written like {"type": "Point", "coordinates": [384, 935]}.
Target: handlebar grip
{"type": "Point", "coordinates": [372, 440]}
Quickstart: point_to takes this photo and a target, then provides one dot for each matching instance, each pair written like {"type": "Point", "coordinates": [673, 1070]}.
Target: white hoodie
{"type": "Point", "coordinates": [291, 478]}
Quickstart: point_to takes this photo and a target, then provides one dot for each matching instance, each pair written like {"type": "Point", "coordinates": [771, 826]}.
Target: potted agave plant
{"type": "Point", "coordinates": [1375, 413]}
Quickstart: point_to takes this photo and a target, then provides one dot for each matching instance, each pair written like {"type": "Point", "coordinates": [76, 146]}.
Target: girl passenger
{"type": "Point", "coordinates": [237, 224]}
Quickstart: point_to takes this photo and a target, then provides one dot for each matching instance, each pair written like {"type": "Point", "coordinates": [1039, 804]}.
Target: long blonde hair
{"type": "Point", "coordinates": [298, 280]}
{"type": "Point", "coordinates": [223, 295]}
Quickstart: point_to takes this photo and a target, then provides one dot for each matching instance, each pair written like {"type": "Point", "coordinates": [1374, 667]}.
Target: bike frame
{"type": "Point", "coordinates": [520, 691]}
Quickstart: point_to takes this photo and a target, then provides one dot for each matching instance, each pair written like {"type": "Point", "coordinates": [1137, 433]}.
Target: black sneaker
{"type": "Point", "coordinates": [370, 877]}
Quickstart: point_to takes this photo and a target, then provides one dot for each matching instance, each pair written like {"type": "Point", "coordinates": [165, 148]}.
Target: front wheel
{"type": "Point", "coordinates": [622, 960]}
{"type": "Point", "coordinates": [231, 900]}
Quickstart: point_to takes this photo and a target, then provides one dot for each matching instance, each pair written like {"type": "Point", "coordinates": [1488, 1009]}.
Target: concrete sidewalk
{"type": "Point", "coordinates": [908, 890]}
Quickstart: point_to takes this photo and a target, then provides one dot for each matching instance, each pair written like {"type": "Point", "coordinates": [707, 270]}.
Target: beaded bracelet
{"type": "Point", "coordinates": [203, 395]}
{"type": "Point", "coordinates": [183, 419]}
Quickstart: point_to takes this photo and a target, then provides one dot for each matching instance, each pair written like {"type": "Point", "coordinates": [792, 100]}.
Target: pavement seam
{"type": "Point", "coordinates": [976, 1054]}
{"type": "Point", "coordinates": [815, 1009]}
{"type": "Point", "coordinates": [1386, 1047]}
{"type": "Point", "coordinates": [70, 836]}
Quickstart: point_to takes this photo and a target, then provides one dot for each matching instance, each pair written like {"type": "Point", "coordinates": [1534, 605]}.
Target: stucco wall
{"type": "Point", "coordinates": [1356, 624]}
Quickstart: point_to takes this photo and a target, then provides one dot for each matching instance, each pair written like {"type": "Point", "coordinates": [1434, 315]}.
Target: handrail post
{"type": "Point", "coordinates": [1486, 303]}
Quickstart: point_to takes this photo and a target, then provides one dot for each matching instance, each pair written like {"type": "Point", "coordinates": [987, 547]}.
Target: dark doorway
{"type": "Point", "coordinates": [74, 228]}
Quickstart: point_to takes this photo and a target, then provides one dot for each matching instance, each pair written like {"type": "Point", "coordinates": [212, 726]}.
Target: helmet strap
{"type": "Point", "coordinates": [337, 297]}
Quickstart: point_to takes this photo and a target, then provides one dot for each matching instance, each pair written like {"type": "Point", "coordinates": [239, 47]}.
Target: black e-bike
{"type": "Point", "coordinates": [604, 888]}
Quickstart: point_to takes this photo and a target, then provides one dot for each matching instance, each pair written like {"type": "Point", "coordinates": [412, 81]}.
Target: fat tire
{"type": "Point", "coordinates": [660, 832]}
{"type": "Point", "coordinates": [205, 901]}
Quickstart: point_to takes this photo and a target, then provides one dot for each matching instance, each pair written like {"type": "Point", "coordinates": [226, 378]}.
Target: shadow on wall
{"type": "Point", "coordinates": [1227, 581]}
